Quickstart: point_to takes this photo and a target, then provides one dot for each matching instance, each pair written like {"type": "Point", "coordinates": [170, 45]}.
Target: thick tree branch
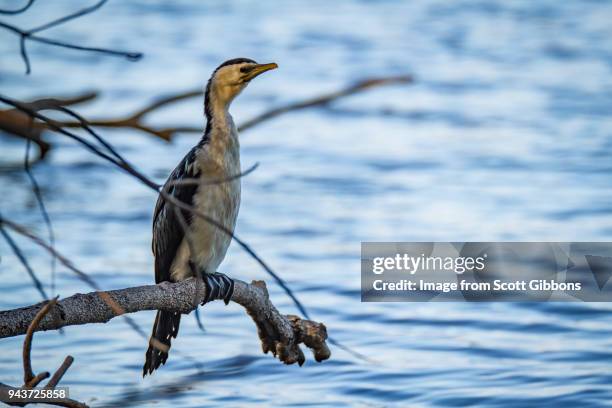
{"type": "Point", "coordinates": [278, 333]}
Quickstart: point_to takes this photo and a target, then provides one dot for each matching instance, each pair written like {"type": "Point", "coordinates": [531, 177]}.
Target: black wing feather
{"type": "Point", "coordinates": [167, 231]}
{"type": "Point", "coordinates": [167, 237]}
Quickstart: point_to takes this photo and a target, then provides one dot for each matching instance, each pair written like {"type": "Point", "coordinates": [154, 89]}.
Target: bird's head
{"type": "Point", "coordinates": [231, 77]}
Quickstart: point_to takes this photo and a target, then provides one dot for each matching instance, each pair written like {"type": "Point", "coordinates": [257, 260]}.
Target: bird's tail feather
{"type": "Point", "coordinates": [164, 329]}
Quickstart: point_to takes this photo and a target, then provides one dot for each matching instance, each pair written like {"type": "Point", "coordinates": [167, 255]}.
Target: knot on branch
{"type": "Point", "coordinates": [312, 335]}
{"type": "Point", "coordinates": [282, 334]}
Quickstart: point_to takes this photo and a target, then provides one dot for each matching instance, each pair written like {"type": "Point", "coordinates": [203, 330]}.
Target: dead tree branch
{"type": "Point", "coordinates": [326, 99]}
{"type": "Point", "coordinates": [31, 380]}
{"type": "Point", "coordinates": [135, 121]}
{"type": "Point", "coordinates": [279, 334]}
{"type": "Point", "coordinates": [20, 124]}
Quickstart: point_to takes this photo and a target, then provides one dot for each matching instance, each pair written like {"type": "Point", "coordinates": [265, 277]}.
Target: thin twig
{"type": "Point", "coordinates": [42, 207]}
{"type": "Point", "coordinates": [131, 56]}
{"type": "Point", "coordinates": [25, 35]}
{"type": "Point", "coordinates": [325, 99]}
{"type": "Point", "coordinates": [59, 373]}
{"type": "Point", "coordinates": [21, 230]}
{"type": "Point", "coordinates": [65, 19]}
{"type": "Point", "coordinates": [37, 379]}
{"type": "Point", "coordinates": [166, 101]}
{"type": "Point", "coordinates": [19, 10]}
{"type": "Point", "coordinates": [24, 53]}
{"type": "Point", "coordinates": [24, 261]}
{"type": "Point", "coordinates": [51, 103]}
{"type": "Point", "coordinates": [28, 374]}
{"type": "Point", "coordinates": [195, 181]}
{"type": "Point", "coordinates": [85, 125]}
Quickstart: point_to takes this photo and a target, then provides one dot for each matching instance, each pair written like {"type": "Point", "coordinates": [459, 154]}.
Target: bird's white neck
{"type": "Point", "coordinates": [217, 109]}
{"type": "Point", "coordinates": [221, 135]}
{"type": "Point", "coordinates": [219, 120]}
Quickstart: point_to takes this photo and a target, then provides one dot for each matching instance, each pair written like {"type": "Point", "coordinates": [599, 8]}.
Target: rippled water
{"type": "Point", "coordinates": [506, 135]}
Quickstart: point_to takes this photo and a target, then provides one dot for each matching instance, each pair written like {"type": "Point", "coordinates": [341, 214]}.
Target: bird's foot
{"type": "Point", "coordinates": [218, 286]}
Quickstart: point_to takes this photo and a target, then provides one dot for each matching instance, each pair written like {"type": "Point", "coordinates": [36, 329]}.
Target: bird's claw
{"type": "Point", "coordinates": [218, 286]}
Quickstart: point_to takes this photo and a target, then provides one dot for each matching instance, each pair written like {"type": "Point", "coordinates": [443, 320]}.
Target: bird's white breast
{"type": "Point", "coordinates": [217, 160]}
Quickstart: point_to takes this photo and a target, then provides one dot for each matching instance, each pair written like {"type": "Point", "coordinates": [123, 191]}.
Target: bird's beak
{"type": "Point", "coordinates": [258, 70]}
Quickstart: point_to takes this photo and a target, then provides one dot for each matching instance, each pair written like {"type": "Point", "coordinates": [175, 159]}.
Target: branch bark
{"type": "Point", "coordinates": [279, 334]}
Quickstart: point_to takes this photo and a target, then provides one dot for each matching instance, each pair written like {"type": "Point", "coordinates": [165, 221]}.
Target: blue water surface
{"type": "Point", "coordinates": [506, 134]}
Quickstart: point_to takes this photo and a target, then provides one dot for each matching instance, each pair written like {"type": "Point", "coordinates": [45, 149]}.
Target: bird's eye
{"type": "Point", "coordinates": [245, 69]}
